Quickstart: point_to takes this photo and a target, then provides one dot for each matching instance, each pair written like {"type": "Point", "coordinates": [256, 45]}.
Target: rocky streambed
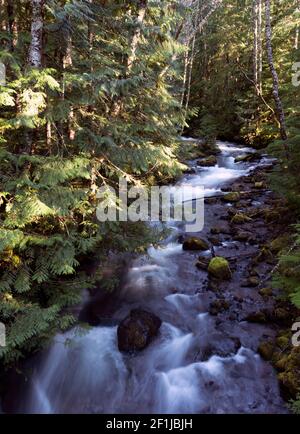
{"type": "Point", "coordinates": [199, 306]}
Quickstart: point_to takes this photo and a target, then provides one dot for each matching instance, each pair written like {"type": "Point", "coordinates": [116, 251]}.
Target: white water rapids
{"type": "Point", "coordinates": [175, 374]}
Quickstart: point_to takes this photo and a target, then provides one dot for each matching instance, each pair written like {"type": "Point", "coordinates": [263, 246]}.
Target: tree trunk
{"type": "Point", "coordinates": [296, 45]}
{"type": "Point", "coordinates": [186, 64]}
{"type": "Point", "coordinates": [255, 44]}
{"type": "Point", "coordinates": [142, 8]}
{"type": "Point", "coordinates": [12, 25]}
{"type": "Point", "coordinates": [278, 103]}
{"type": "Point", "coordinates": [137, 34]}
{"type": "Point", "coordinates": [191, 64]}
{"type": "Point", "coordinates": [259, 46]}
{"type": "Point", "coordinates": [35, 50]}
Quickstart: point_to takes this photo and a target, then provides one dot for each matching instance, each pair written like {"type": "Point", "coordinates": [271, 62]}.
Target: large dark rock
{"type": "Point", "coordinates": [137, 330]}
{"type": "Point", "coordinates": [194, 243]}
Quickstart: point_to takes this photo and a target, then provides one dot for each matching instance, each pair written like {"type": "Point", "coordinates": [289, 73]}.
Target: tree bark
{"type": "Point", "coordinates": [278, 103]}
{"type": "Point", "coordinates": [12, 25]}
{"type": "Point", "coordinates": [191, 64]}
{"type": "Point", "coordinates": [260, 46]}
{"type": "Point", "coordinates": [35, 50]}
{"type": "Point", "coordinates": [186, 64]}
{"type": "Point", "coordinates": [137, 34]}
{"type": "Point", "coordinates": [142, 8]}
{"type": "Point", "coordinates": [255, 44]}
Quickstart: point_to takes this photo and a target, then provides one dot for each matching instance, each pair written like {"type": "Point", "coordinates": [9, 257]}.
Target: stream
{"type": "Point", "coordinates": [200, 362]}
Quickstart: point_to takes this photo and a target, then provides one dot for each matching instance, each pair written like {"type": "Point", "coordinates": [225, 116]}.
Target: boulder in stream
{"type": "Point", "coordinates": [137, 330]}
{"type": "Point", "coordinates": [219, 268]}
{"type": "Point", "coordinates": [234, 197]}
{"type": "Point", "coordinates": [194, 243]}
{"type": "Point", "coordinates": [208, 162]}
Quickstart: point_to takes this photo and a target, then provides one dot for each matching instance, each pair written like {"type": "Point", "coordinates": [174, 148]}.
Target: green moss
{"type": "Point", "coordinates": [240, 218]}
{"type": "Point", "coordinates": [280, 243]}
{"type": "Point", "coordinates": [219, 268]}
{"type": "Point", "coordinates": [290, 378]}
{"type": "Point", "coordinates": [266, 292]}
{"type": "Point", "coordinates": [283, 342]}
{"type": "Point", "coordinates": [231, 197]}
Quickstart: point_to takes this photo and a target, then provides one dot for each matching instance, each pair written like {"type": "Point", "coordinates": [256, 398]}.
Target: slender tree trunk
{"type": "Point", "coordinates": [35, 50]}
{"type": "Point", "coordinates": [67, 63]}
{"type": "Point", "coordinates": [35, 57]}
{"type": "Point", "coordinates": [296, 45]}
{"type": "Point", "coordinates": [191, 64]}
{"type": "Point", "coordinates": [255, 44]}
{"type": "Point", "coordinates": [278, 103]}
{"type": "Point", "coordinates": [3, 18]}
{"type": "Point", "coordinates": [12, 24]}
{"type": "Point", "coordinates": [186, 64]}
{"type": "Point", "coordinates": [142, 8]}
{"type": "Point", "coordinates": [260, 46]}
{"type": "Point", "coordinates": [137, 34]}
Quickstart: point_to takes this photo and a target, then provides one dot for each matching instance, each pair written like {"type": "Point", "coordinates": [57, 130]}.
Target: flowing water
{"type": "Point", "coordinates": [195, 365]}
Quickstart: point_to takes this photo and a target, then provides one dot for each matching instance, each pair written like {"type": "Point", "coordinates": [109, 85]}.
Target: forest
{"type": "Point", "coordinates": [174, 93]}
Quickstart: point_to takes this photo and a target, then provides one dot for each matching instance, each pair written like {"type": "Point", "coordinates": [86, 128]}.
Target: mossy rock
{"type": "Point", "coordinates": [219, 268]}
{"type": "Point", "coordinates": [283, 342]}
{"type": "Point", "coordinates": [266, 292]}
{"type": "Point", "coordinates": [265, 254]}
{"type": "Point", "coordinates": [281, 363]}
{"type": "Point", "coordinates": [281, 314]}
{"type": "Point", "coordinates": [259, 185]}
{"type": "Point", "coordinates": [242, 236]}
{"type": "Point", "coordinates": [208, 162]}
{"type": "Point", "coordinates": [232, 197]}
{"type": "Point", "coordinates": [266, 350]}
{"type": "Point", "coordinates": [240, 218]}
{"type": "Point", "coordinates": [241, 158]}
{"type": "Point", "coordinates": [289, 379]}
{"type": "Point", "coordinates": [279, 243]}
{"type": "Point", "coordinates": [272, 216]}
{"type": "Point", "coordinates": [194, 243]}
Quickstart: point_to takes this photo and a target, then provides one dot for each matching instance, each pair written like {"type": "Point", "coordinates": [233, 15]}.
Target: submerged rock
{"type": "Point", "coordinates": [137, 330]}
{"type": "Point", "coordinates": [194, 243]}
{"type": "Point", "coordinates": [219, 268]}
